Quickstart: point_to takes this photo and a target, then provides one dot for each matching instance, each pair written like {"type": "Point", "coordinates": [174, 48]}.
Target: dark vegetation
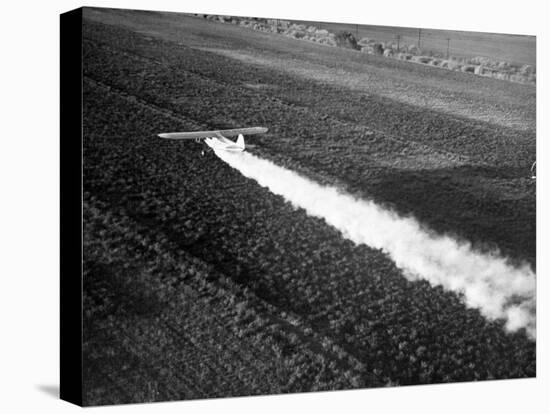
{"type": "Point", "coordinates": [347, 40]}
{"type": "Point", "coordinates": [199, 283]}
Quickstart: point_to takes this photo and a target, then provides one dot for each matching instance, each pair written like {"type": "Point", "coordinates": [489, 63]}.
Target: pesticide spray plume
{"type": "Point", "coordinates": [486, 281]}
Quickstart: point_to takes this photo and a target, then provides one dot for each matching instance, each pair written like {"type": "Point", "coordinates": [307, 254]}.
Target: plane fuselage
{"type": "Point", "coordinates": [222, 143]}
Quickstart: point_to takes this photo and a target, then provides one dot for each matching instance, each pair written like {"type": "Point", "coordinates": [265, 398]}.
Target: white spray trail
{"type": "Point", "coordinates": [487, 281]}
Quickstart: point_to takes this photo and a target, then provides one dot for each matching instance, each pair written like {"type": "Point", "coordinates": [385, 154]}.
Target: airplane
{"type": "Point", "coordinates": [217, 140]}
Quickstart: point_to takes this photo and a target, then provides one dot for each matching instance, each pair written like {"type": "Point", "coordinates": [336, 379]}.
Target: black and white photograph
{"type": "Point", "coordinates": [275, 206]}
{"type": "Point", "coordinates": [271, 207]}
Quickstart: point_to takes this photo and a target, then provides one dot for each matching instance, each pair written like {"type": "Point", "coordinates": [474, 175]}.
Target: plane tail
{"type": "Point", "coordinates": [240, 141]}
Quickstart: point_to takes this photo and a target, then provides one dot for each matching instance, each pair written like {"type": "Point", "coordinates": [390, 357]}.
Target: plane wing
{"type": "Point", "coordinates": [208, 134]}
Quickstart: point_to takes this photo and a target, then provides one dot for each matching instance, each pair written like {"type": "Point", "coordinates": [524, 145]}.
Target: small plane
{"type": "Point", "coordinates": [217, 140]}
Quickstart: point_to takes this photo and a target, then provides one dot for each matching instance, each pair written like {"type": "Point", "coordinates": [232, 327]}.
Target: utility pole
{"type": "Point", "coordinates": [448, 42]}
{"type": "Point", "coordinates": [357, 31]}
{"type": "Point", "coordinates": [419, 33]}
{"type": "Point", "coordinates": [398, 38]}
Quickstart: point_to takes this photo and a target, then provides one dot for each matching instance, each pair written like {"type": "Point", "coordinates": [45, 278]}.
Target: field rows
{"type": "Point", "coordinates": [198, 343]}
{"type": "Point", "coordinates": [452, 93]}
{"type": "Point", "coordinates": [439, 178]}
{"type": "Point", "coordinates": [243, 294]}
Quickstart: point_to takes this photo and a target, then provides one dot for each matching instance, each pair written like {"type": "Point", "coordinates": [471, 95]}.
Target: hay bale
{"type": "Point", "coordinates": [327, 41]}
{"type": "Point", "coordinates": [364, 41]}
{"type": "Point", "coordinates": [518, 78]}
{"type": "Point", "coordinates": [514, 69]}
{"type": "Point", "coordinates": [468, 69]}
{"type": "Point", "coordinates": [404, 56]}
{"type": "Point", "coordinates": [526, 70]}
{"type": "Point", "coordinates": [480, 60]}
{"type": "Point", "coordinates": [422, 59]}
{"type": "Point", "coordinates": [413, 49]}
{"type": "Point", "coordinates": [450, 64]}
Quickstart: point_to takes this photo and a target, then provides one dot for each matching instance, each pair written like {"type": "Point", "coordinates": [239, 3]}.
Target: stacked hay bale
{"type": "Point", "coordinates": [311, 33]}
{"type": "Point", "coordinates": [403, 56]}
{"type": "Point", "coordinates": [365, 41]}
{"type": "Point", "coordinates": [468, 68]}
{"type": "Point", "coordinates": [527, 70]}
{"type": "Point", "coordinates": [421, 59]}
{"type": "Point", "coordinates": [450, 64]}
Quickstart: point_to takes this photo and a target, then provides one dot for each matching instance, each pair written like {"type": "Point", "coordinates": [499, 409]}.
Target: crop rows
{"type": "Point", "coordinates": [453, 93]}
{"type": "Point", "coordinates": [208, 285]}
{"type": "Point", "coordinates": [482, 142]}
{"type": "Point", "coordinates": [162, 323]}
{"type": "Point", "coordinates": [457, 176]}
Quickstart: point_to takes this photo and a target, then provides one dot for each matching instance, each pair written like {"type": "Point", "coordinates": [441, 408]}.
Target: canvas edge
{"type": "Point", "coordinates": [71, 380]}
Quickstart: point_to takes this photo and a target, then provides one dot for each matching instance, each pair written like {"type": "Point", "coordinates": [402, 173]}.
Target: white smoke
{"type": "Point", "coordinates": [487, 281]}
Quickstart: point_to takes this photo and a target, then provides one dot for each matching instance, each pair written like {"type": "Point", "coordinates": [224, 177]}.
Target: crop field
{"type": "Point", "coordinates": [199, 282]}
{"type": "Point", "coordinates": [517, 49]}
